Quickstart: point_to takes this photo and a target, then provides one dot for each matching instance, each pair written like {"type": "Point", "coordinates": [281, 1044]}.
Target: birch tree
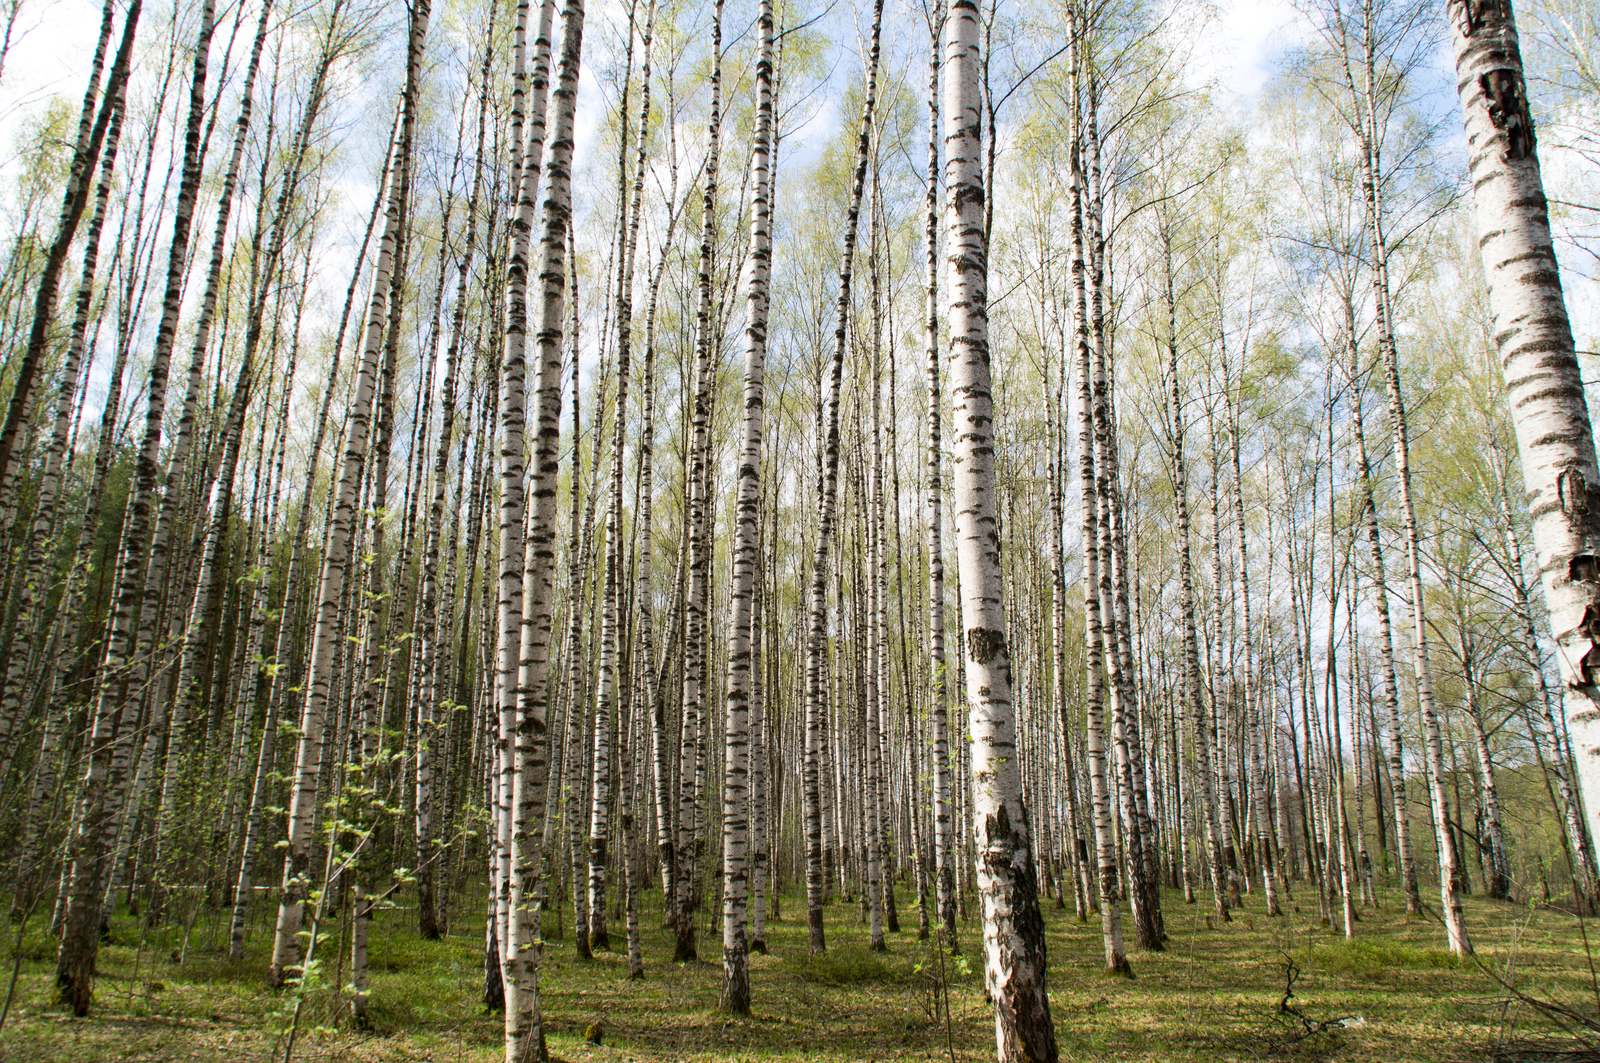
{"type": "Point", "coordinates": [1013, 926]}
{"type": "Point", "coordinates": [1533, 337]}
{"type": "Point", "coordinates": [102, 793]}
{"type": "Point", "coordinates": [736, 791]}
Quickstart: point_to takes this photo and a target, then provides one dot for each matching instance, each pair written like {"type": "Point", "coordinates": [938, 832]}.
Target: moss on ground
{"type": "Point", "coordinates": [1393, 994]}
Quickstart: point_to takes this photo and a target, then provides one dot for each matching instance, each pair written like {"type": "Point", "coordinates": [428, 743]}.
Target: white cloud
{"type": "Point", "coordinates": [1241, 43]}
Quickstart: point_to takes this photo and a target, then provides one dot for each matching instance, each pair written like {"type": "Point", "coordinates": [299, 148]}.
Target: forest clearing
{"type": "Point", "coordinates": [915, 529]}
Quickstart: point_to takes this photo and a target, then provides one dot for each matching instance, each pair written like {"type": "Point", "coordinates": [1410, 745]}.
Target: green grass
{"type": "Point", "coordinates": [1212, 995]}
{"type": "Point", "coordinates": [1371, 958]}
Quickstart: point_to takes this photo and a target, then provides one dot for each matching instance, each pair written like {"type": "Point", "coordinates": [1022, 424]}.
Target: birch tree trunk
{"type": "Point", "coordinates": [1533, 336]}
{"type": "Point", "coordinates": [27, 645]}
{"type": "Point", "coordinates": [513, 578]}
{"type": "Point", "coordinates": [1380, 593]}
{"type": "Point", "coordinates": [827, 500]}
{"type": "Point", "coordinates": [430, 662]}
{"type": "Point", "coordinates": [1587, 884]}
{"type": "Point", "coordinates": [607, 689]}
{"type": "Point", "coordinates": [359, 786]}
{"type": "Point", "coordinates": [92, 125]}
{"type": "Point", "coordinates": [1449, 858]}
{"type": "Point", "coordinates": [874, 679]}
{"type": "Point", "coordinates": [1259, 720]}
{"type": "Point", "coordinates": [939, 694]}
{"type": "Point", "coordinates": [1192, 700]}
{"type": "Point", "coordinates": [115, 710]}
{"type": "Point", "coordinates": [1492, 841]}
{"type": "Point", "coordinates": [523, 1021]}
{"type": "Point", "coordinates": [1107, 875]}
{"type": "Point", "coordinates": [736, 796]}
{"type": "Point", "coordinates": [650, 679]}
{"type": "Point", "coordinates": [640, 694]}
{"type": "Point", "coordinates": [528, 127]}
{"type": "Point", "coordinates": [1014, 945]}
{"type": "Point", "coordinates": [707, 351]}
{"type": "Point", "coordinates": [325, 639]}
{"type": "Point", "coordinates": [185, 688]}
{"type": "Point", "coordinates": [285, 637]}
{"type": "Point", "coordinates": [760, 741]}
{"type": "Point", "coordinates": [1056, 429]}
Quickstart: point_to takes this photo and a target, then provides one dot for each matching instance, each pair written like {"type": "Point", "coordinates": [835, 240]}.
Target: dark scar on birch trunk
{"type": "Point", "coordinates": [1025, 997]}
{"type": "Point", "coordinates": [1508, 111]}
{"type": "Point", "coordinates": [984, 644]}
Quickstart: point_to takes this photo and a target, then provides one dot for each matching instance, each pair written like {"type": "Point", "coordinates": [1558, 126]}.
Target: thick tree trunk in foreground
{"type": "Point", "coordinates": [1534, 338]}
{"type": "Point", "coordinates": [1013, 926]}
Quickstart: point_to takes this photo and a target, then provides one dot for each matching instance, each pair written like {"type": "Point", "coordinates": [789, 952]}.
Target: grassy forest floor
{"type": "Point", "coordinates": [1212, 995]}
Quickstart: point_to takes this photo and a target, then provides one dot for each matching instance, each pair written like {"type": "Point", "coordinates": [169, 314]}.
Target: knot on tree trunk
{"type": "Point", "coordinates": [1473, 15]}
{"type": "Point", "coordinates": [1579, 650]}
{"type": "Point", "coordinates": [1000, 842]}
{"type": "Point", "coordinates": [1508, 110]}
{"type": "Point", "coordinates": [1583, 568]}
{"type": "Point", "coordinates": [984, 644]}
{"type": "Point", "coordinates": [1580, 500]}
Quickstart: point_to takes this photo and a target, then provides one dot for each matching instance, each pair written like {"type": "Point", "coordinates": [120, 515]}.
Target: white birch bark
{"type": "Point", "coordinates": [1106, 872]}
{"type": "Point", "coordinates": [523, 1020]}
{"type": "Point", "coordinates": [607, 691]}
{"type": "Point", "coordinates": [1014, 945]}
{"type": "Point", "coordinates": [325, 638]}
{"type": "Point", "coordinates": [1257, 735]}
{"type": "Point", "coordinates": [527, 153]}
{"type": "Point", "coordinates": [1372, 178]}
{"type": "Point", "coordinates": [280, 671]}
{"type": "Point", "coordinates": [360, 786]}
{"type": "Point", "coordinates": [20, 665]}
{"type": "Point", "coordinates": [1394, 747]}
{"type": "Point", "coordinates": [827, 502]}
{"type": "Point", "coordinates": [650, 685]}
{"type": "Point", "coordinates": [638, 666]}
{"type": "Point", "coordinates": [939, 693]}
{"type": "Point", "coordinates": [736, 797]}
{"type": "Point", "coordinates": [92, 126]}
{"type": "Point", "coordinates": [430, 662]}
{"type": "Point", "coordinates": [1192, 702]}
{"type": "Point", "coordinates": [870, 646]}
{"type": "Point", "coordinates": [707, 350]}
{"type": "Point", "coordinates": [115, 710]}
{"type": "Point", "coordinates": [1548, 731]}
{"type": "Point", "coordinates": [760, 777]}
{"type": "Point", "coordinates": [1496, 862]}
{"type": "Point", "coordinates": [1533, 336]}
{"type": "Point", "coordinates": [186, 686]}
